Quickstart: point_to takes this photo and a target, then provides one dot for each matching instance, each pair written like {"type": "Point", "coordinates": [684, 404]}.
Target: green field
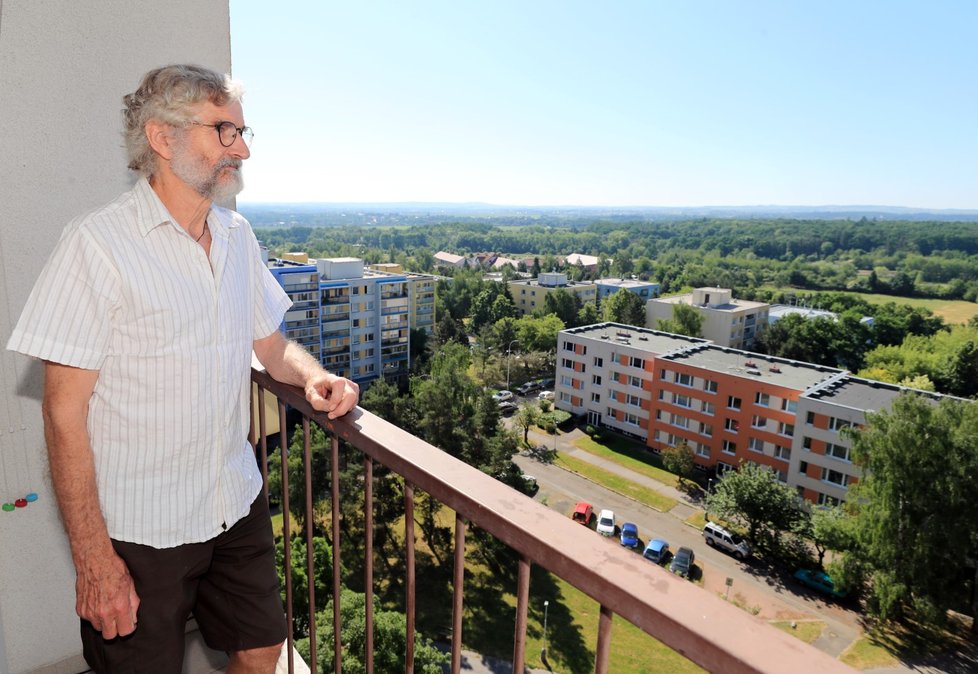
{"type": "Point", "coordinates": [952, 311]}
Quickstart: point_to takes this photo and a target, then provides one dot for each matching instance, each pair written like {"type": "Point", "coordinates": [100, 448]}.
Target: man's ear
{"type": "Point", "coordinates": [160, 136]}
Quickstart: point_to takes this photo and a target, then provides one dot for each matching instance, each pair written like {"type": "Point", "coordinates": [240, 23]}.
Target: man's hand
{"type": "Point", "coordinates": [106, 596]}
{"type": "Point", "coordinates": [331, 394]}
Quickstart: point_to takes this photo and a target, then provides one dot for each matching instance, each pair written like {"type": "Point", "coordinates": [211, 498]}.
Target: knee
{"type": "Point", "coordinates": [256, 660]}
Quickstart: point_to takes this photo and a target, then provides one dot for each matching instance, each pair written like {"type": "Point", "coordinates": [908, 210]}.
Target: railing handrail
{"type": "Point", "coordinates": [709, 631]}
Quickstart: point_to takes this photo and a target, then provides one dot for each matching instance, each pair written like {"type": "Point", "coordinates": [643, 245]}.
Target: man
{"type": "Point", "coordinates": [146, 316]}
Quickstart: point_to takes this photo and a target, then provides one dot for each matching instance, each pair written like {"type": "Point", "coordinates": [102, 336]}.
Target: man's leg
{"type": "Point", "coordinates": [166, 581]}
{"type": "Point", "coordinates": [239, 608]}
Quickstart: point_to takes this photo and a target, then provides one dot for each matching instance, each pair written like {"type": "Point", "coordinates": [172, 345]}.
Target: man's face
{"type": "Point", "coordinates": [199, 159]}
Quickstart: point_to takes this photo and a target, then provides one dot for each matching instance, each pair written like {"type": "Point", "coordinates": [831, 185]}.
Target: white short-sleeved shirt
{"type": "Point", "coordinates": [129, 293]}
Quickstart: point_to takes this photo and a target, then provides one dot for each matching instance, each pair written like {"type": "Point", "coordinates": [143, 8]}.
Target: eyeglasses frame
{"type": "Point", "coordinates": [245, 132]}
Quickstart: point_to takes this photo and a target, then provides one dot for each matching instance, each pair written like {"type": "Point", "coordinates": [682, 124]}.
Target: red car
{"type": "Point", "coordinates": [582, 512]}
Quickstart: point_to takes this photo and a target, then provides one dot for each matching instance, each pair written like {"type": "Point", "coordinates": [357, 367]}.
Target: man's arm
{"type": "Point", "coordinates": [105, 595]}
{"type": "Point", "coordinates": [289, 363]}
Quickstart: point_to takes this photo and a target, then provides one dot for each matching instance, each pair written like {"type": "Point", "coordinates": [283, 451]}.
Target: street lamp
{"type": "Point", "coordinates": [509, 358]}
{"type": "Point", "coordinates": [545, 605]}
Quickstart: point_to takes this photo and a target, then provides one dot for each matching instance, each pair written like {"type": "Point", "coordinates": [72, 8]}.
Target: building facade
{"type": "Point", "coordinates": [726, 321]}
{"type": "Point", "coordinates": [646, 290]}
{"type": "Point", "coordinates": [727, 405]}
{"type": "Point", "coordinates": [355, 320]}
{"type": "Point", "coordinates": [529, 294]}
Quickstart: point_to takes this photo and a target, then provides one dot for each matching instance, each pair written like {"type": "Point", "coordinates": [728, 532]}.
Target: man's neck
{"type": "Point", "coordinates": [184, 203]}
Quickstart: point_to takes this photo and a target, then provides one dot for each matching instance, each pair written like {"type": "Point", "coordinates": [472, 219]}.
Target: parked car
{"type": "Point", "coordinates": [500, 396]}
{"type": "Point", "coordinates": [582, 512]}
{"type": "Point", "coordinates": [657, 551]}
{"type": "Point", "coordinates": [718, 537]}
{"type": "Point", "coordinates": [682, 562]}
{"type": "Point", "coordinates": [629, 535]}
{"type": "Point", "coordinates": [528, 387]}
{"type": "Point", "coordinates": [508, 407]}
{"type": "Point", "coordinates": [548, 383]}
{"type": "Point", "coordinates": [606, 522]}
{"type": "Point", "coordinates": [546, 395]}
{"type": "Point", "coordinates": [819, 581]}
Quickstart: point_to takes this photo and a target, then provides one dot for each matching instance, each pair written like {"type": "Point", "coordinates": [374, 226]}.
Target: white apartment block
{"type": "Point", "coordinates": [726, 321]}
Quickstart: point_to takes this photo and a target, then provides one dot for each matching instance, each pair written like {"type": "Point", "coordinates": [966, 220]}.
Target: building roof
{"type": "Point", "coordinates": [448, 258]}
{"type": "Point", "coordinates": [783, 372]}
{"type": "Point", "coordinates": [625, 283]}
{"type": "Point", "coordinates": [778, 311]}
{"type": "Point", "coordinates": [584, 260]}
{"type": "Point", "coordinates": [732, 305]}
{"type": "Point", "coordinates": [865, 394]}
{"type": "Point", "coordinates": [643, 339]}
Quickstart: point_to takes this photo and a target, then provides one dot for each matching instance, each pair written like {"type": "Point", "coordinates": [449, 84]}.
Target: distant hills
{"type": "Point", "coordinates": [419, 213]}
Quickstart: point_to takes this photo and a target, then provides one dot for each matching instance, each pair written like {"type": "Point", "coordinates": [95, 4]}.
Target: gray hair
{"type": "Point", "coordinates": [166, 95]}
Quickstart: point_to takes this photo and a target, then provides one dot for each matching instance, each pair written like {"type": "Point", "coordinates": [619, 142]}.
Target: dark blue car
{"type": "Point", "coordinates": [629, 535]}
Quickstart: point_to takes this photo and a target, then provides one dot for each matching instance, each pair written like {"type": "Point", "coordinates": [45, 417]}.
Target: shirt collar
{"type": "Point", "coordinates": [152, 213]}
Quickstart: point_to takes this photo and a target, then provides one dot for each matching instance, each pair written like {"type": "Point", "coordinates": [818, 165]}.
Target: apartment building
{"type": "Point", "coordinates": [528, 294]}
{"type": "Point", "coordinates": [726, 321]}
{"type": "Point", "coordinates": [727, 405]}
{"type": "Point", "coordinates": [355, 320]}
{"type": "Point", "coordinates": [646, 290]}
{"type": "Point", "coordinates": [421, 294]}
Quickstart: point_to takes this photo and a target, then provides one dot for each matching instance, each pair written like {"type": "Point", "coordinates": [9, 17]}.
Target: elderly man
{"type": "Point", "coordinates": [146, 316]}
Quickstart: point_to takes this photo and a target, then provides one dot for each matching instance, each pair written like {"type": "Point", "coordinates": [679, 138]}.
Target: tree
{"type": "Point", "coordinates": [679, 460]}
{"type": "Point", "coordinates": [686, 320]}
{"type": "Point", "coordinates": [914, 523]}
{"type": "Point", "coordinates": [527, 416]}
{"type": "Point", "coordinates": [323, 567]}
{"type": "Point", "coordinates": [390, 639]}
{"type": "Point", "coordinates": [588, 315]}
{"type": "Point", "coordinates": [624, 307]}
{"type": "Point", "coordinates": [829, 529]}
{"type": "Point", "coordinates": [753, 496]}
{"type": "Point", "coordinates": [564, 305]}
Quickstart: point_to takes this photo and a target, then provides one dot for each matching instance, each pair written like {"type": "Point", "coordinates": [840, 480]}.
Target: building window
{"type": "Point", "coordinates": [837, 451]}
{"type": "Point", "coordinates": [631, 419]}
{"type": "Point", "coordinates": [595, 398]}
{"type": "Point", "coordinates": [596, 379]}
{"type": "Point", "coordinates": [729, 447]}
{"type": "Point", "coordinates": [635, 361]}
{"type": "Point", "coordinates": [803, 468]}
{"type": "Point", "coordinates": [710, 386]}
{"type": "Point", "coordinates": [789, 405]}
{"type": "Point", "coordinates": [731, 425]}
{"type": "Point", "coordinates": [598, 361]}
{"type": "Point", "coordinates": [838, 424]}
{"type": "Point", "coordinates": [566, 381]}
{"type": "Point", "coordinates": [664, 375]}
{"type": "Point", "coordinates": [758, 421]}
{"type": "Point", "coordinates": [567, 362]}
{"type": "Point", "coordinates": [680, 421]}
{"type": "Point", "coordinates": [568, 346]}
{"type": "Point", "coordinates": [806, 443]}
{"type": "Point", "coordinates": [706, 429]}
{"type": "Point", "coordinates": [681, 400]}
{"type": "Point", "coordinates": [786, 429]}
{"type": "Point", "coordinates": [635, 381]}
{"type": "Point", "coordinates": [783, 453]}
{"type": "Point", "coordinates": [762, 399]}
{"type": "Point", "coordinates": [835, 477]}
{"type": "Point", "coordinates": [634, 401]}
{"type": "Point", "coordinates": [733, 403]}
{"type": "Point", "coordinates": [810, 418]}
{"type": "Point", "coordinates": [684, 379]}
{"type": "Point", "coordinates": [826, 500]}
{"type": "Point", "coordinates": [755, 445]}
{"type": "Point", "coordinates": [704, 451]}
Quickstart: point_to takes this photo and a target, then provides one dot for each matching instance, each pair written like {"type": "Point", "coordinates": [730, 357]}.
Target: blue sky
{"type": "Point", "coordinates": [630, 103]}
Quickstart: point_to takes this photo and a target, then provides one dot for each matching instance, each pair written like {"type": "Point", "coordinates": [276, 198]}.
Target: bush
{"type": "Point", "coordinates": [590, 430]}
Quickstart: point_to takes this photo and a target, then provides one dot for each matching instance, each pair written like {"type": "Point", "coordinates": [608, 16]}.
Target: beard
{"type": "Point", "coordinates": [220, 182]}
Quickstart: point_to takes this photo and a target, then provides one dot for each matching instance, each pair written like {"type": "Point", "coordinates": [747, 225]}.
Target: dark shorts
{"type": "Point", "coordinates": [229, 584]}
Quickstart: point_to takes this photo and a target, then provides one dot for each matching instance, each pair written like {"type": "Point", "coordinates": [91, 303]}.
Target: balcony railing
{"type": "Point", "coordinates": [710, 632]}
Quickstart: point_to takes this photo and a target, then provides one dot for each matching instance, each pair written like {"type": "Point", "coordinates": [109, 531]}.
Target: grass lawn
{"type": "Point", "coordinates": [952, 311]}
{"type": "Point", "coordinates": [806, 630]}
{"type": "Point", "coordinates": [697, 519]}
{"type": "Point", "coordinates": [865, 653]}
{"type": "Point", "coordinates": [630, 456]}
{"type": "Point", "coordinates": [616, 483]}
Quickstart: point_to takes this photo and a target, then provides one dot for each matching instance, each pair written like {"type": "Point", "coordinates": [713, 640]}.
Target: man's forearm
{"type": "Point", "coordinates": [295, 365]}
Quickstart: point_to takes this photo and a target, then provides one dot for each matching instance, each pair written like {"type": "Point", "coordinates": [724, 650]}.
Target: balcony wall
{"type": "Point", "coordinates": [64, 68]}
{"type": "Point", "coordinates": [707, 630]}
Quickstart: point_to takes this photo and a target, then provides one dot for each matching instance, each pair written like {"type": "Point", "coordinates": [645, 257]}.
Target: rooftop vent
{"type": "Point", "coordinates": [774, 368]}
{"type": "Point", "coordinates": [757, 372]}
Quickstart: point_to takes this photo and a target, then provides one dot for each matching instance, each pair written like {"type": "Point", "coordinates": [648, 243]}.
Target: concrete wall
{"type": "Point", "coordinates": [64, 67]}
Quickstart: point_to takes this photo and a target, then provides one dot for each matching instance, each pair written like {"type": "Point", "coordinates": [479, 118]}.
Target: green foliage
{"type": "Point", "coordinates": [624, 307]}
{"type": "Point", "coordinates": [753, 496]}
{"type": "Point", "coordinates": [948, 359]}
{"type": "Point", "coordinates": [563, 305]}
{"type": "Point", "coordinates": [390, 642]}
{"type": "Point", "coordinates": [686, 320]}
{"type": "Point", "coordinates": [679, 460]}
{"type": "Point", "coordinates": [914, 523]}
{"type": "Point", "coordinates": [526, 417]}
{"type": "Point", "coordinates": [323, 567]}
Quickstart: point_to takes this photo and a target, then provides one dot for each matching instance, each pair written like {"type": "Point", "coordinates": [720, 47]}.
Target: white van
{"type": "Point", "coordinates": [717, 536]}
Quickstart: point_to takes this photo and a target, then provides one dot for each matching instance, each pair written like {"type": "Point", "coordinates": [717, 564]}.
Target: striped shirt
{"type": "Point", "coordinates": [129, 293]}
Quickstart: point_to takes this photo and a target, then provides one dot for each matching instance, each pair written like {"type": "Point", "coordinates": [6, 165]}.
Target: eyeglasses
{"type": "Point", "coordinates": [227, 132]}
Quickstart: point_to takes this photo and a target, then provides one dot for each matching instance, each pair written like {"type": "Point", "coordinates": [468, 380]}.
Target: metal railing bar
{"type": "Point", "coordinates": [310, 565]}
{"type": "Point", "coordinates": [286, 530]}
{"type": "Point", "coordinates": [522, 604]}
{"type": "Point", "coordinates": [409, 580]}
{"type": "Point", "coordinates": [458, 592]}
{"type": "Point", "coordinates": [335, 494]}
{"type": "Point", "coordinates": [368, 572]}
{"type": "Point", "coordinates": [603, 650]}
